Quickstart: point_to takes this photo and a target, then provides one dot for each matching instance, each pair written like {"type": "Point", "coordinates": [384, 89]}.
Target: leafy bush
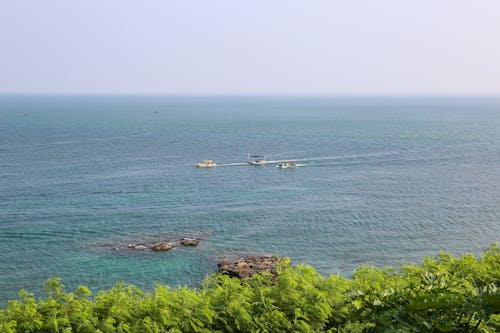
{"type": "Point", "coordinates": [443, 294]}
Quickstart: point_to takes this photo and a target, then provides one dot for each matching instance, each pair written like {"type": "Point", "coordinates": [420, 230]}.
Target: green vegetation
{"type": "Point", "coordinates": [443, 294]}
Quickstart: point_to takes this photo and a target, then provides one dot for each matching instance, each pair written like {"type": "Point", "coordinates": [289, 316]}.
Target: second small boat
{"type": "Point", "coordinates": [288, 165]}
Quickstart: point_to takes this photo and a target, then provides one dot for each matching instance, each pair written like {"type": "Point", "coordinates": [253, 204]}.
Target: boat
{"type": "Point", "coordinates": [206, 164]}
{"type": "Point", "coordinates": [256, 159]}
{"type": "Point", "coordinates": [287, 165]}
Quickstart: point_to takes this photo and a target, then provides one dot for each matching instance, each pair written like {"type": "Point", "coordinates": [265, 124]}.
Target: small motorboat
{"type": "Point", "coordinates": [206, 164]}
{"type": "Point", "coordinates": [256, 159]}
{"type": "Point", "coordinates": [288, 165]}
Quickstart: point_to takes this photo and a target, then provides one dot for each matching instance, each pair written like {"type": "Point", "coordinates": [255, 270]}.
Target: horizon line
{"type": "Point", "coordinates": [257, 94]}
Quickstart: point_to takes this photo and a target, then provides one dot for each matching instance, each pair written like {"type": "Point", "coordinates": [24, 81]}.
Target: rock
{"type": "Point", "coordinates": [137, 246]}
{"type": "Point", "coordinates": [190, 241]}
{"type": "Point", "coordinates": [224, 265]}
{"type": "Point", "coordinates": [163, 244]}
{"type": "Point", "coordinates": [250, 266]}
{"type": "Point", "coordinates": [162, 247]}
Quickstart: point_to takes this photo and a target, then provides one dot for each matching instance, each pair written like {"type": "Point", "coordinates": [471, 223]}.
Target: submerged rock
{"type": "Point", "coordinates": [162, 247]}
{"type": "Point", "coordinates": [250, 266]}
{"type": "Point", "coordinates": [164, 244]}
{"type": "Point", "coordinates": [190, 241]}
{"type": "Point", "coordinates": [137, 246]}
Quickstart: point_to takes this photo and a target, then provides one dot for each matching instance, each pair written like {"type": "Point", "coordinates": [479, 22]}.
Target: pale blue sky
{"type": "Point", "coordinates": [257, 46]}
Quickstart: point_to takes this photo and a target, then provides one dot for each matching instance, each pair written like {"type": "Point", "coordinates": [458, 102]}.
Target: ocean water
{"type": "Point", "coordinates": [385, 180]}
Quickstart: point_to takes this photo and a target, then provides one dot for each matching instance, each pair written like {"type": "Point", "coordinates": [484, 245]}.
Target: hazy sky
{"type": "Point", "coordinates": [256, 46]}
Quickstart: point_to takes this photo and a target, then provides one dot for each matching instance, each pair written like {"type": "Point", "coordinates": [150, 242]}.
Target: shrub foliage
{"type": "Point", "coordinates": [442, 294]}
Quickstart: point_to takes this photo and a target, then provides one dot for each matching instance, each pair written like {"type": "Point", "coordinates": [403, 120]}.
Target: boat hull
{"type": "Point", "coordinates": [257, 162]}
{"type": "Point", "coordinates": [206, 164]}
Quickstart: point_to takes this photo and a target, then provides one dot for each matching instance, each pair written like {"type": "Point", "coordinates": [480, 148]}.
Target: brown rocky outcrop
{"type": "Point", "coordinates": [250, 266]}
{"type": "Point", "coordinates": [162, 247]}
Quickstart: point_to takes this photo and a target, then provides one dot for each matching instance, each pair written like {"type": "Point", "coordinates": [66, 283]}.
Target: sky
{"type": "Point", "coordinates": [250, 47]}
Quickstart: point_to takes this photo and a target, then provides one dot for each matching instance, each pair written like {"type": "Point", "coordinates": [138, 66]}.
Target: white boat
{"type": "Point", "coordinates": [206, 164]}
{"type": "Point", "coordinates": [288, 165]}
{"type": "Point", "coordinates": [256, 159]}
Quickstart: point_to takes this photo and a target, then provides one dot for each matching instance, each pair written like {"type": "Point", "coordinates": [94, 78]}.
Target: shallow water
{"type": "Point", "coordinates": [385, 180]}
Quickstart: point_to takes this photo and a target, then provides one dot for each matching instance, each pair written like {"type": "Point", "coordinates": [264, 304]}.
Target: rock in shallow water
{"type": "Point", "coordinates": [162, 247]}
{"type": "Point", "coordinates": [137, 246]}
{"type": "Point", "coordinates": [250, 266]}
{"type": "Point", "coordinates": [189, 241]}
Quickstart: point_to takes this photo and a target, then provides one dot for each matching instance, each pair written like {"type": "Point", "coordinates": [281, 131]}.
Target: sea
{"type": "Point", "coordinates": [384, 180]}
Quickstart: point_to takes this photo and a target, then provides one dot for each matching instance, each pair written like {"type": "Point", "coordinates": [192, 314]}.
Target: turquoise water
{"type": "Point", "coordinates": [385, 180]}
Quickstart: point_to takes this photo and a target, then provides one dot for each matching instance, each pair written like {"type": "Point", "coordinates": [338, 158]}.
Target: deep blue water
{"type": "Point", "coordinates": [386, 180]}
